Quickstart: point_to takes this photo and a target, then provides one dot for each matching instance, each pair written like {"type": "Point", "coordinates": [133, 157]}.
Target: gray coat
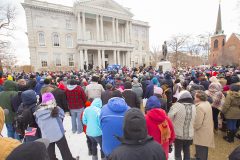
{"type": "Point", "coordinates": [137, 88]}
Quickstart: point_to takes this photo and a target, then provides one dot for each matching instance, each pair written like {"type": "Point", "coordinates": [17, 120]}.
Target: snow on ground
{"type": "Point", "coordinates": [77, 142]}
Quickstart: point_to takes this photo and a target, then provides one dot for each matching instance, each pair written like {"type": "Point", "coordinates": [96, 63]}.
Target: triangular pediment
{"type": "Point", "coordinates": [107, 5]}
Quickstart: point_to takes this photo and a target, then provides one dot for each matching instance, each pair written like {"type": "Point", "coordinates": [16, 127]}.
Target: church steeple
{"type": "Point", "coordinates": [219, 22]}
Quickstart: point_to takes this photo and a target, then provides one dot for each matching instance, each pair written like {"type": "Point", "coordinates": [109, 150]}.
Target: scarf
{"type": "Point", "coordinates": [165, 132]}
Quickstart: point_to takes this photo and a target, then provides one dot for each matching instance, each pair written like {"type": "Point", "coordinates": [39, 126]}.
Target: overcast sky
{"type": "Point", "coordinates": [166, 18]}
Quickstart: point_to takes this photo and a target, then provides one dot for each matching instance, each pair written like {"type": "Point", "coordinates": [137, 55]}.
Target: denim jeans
{"type": "Point", "coordinates": [232, 124]}
{"type": "Point", "coordinates": [77, 125]}
{"type": "Point", "coordinates": [182, 145]}
{"type": "Point", "coordinates": [95, 141]}
{"type": "Point", "coordinates": [11, 132]}
{"type": "Point", "coordinates": [201, 152]}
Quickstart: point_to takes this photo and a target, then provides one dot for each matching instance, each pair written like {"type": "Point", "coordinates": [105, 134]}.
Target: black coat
{"type": "Point", "coordinates": [106, 95]}
{"type": "Point", "coordinates": [61, 99]}
{"type": "Point", "coordinates": [131, 99]}
{"type": "Point", "coordinates": [148, 150]}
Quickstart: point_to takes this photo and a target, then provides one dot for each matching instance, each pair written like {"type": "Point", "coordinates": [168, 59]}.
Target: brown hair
{"type": "Point", "coordinates": [201, 95]}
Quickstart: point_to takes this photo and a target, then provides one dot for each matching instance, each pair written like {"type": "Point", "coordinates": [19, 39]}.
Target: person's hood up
{"type": "Point", "coordinates": [134, 126]}
{"type": "Point", "coordinates": [41, 81]}
{"type": "Point", "coordinates": [215, 87]}
{"type": "Point", "coordinates": [185, 97]}
{"type": "Point", "coordinates": [155, 82]}
{"type": "Point", "coordinates": [10, 86]}
{"type": "Point", "coordinates": [153, 102]}
{"type": "Point", "coordinates": [29, 97]}
{"type": "Point", "coordinates": [71, 87]}
{"type": "Point", "coordinates": [97, 102]}
{"type": "Point", "coordinates": [117, 104]}
{"type": "Point", "coordinates": [157, 115]}
{"type": "Point", "coordinates": [234, 94]}
{"type": "Point", "coordinates": [2, 119]}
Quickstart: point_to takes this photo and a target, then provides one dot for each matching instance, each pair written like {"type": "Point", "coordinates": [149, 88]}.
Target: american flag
{"type": "Point", "coordinates": [30, 131]}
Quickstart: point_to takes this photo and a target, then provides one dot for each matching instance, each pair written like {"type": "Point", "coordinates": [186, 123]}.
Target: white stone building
{"type": "Point", "coordinates": [91, 33]}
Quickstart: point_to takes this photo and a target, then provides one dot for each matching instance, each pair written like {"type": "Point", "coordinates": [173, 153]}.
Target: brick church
{"type": "Point", "coordinates": [224, 52]}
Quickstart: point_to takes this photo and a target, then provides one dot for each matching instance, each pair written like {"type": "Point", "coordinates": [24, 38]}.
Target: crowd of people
{"type": "Point", "coordinates": [137, 113]}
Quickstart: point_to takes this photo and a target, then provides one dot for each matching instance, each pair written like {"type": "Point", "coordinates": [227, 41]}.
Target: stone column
{"type": "Point", "coordinates": [118, 58]}
{"type": "Point", "coordinates": [103, 58]}
{"type": "Point", "coordinates": [102, 32]}
{"type": "Point", "coordinates": [124, 59]}
{"type": "Point", "coordinates": [127, 32]}
{"type": "Point", "coordinates": [114, 57]}
{"type": "Point", "coordinates": [130, 31]}
{"type": "Point", "coordinates": [99, 59]}
{"type": "Point", "coordinates": [81, 59]}
{"type": "Point", "coordinates": [86, 57]}
{"type": "Point", "coordinates": [84, 26]}
{"type": "Point", "coordinates": [97, 27]}
{"type": "Point", "coordinates": [128, 59]}
{"type": "Point", "coordinates": [79, 26]}
{"type": "Point", "coordinates": [113, 29]}
{"type": "Point", "coordinates": [117, 31]}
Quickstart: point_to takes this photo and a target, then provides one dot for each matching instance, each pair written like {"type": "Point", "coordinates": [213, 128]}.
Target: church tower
{"type": "Point", "coordinates": [217, 42]}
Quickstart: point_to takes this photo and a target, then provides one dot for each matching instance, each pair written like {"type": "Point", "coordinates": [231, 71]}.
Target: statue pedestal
{"type": "Point", "coordinates": [164, 66]}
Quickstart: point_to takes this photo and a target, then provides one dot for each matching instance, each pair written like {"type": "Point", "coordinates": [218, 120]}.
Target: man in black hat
{"type": "Point", "coordinates": [136, 144]}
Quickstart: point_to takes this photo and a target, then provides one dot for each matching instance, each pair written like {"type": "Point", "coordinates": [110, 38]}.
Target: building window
{"type": "Point", "coordinates": [58, 60]}
{"type": "Point", "coordinates": [56, 40]}
{"type": "Point", "coordinates": [68, 24]}
{"type": "Point", "coordinates": [223, 42]}
{"type": "Point", "coordinates": [69, 41]}
{"type": "Point", "coordinates": [43, 57]}
{"type": "Point", "coordinates": [41, 39]}
{"type": "Point", "coordinates": [216, 43]}
{"type": "Point", "coordinates": [71, 60]}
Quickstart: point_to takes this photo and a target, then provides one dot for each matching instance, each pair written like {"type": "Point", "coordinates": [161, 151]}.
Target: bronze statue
{"type": "Point", "coordinates": [164, 50]}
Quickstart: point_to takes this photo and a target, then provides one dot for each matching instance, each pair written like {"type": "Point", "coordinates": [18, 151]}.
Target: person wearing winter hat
{"type": "Point", "coordinates": [137, 88]}
{"type": "Point", "coordinates": [7, 145]}
{"type": "Point", "coordinates": [9, 91]}
{"type": "Point", "coordinates": [26, 118]}
{"type": "Point", "coordinates": [49, 118]}
{"type": "Point", "coordinates": [36, 150]}
{"type": "Point", "coordinates": [135, 143]}
{"type": "Point", "coordinates": [130, 96]}
{"type": "Point", "coordinates": [150, 88]}
{"type": "Point", "coordinates": [158, 92]}
{"type": "Point", "coordinates": [91, 120]}
{"type": "Point", "coordinates": [111, 122]}
{"type": "Point", "coordinates": [182, 114]}
{"type": "Point", "coordinates": [159, 126]}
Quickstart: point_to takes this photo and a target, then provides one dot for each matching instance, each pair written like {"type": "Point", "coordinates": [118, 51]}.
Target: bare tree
{"type": "Point", "coordinates": [176, 44]}
{"type": "Point", "coordinates": [7, 16]}
{"type": "Point", "coordinates": [156, 53]}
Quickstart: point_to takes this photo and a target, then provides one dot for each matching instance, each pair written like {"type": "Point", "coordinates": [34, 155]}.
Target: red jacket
{"type": "Point", "coordinates": [160, 127]}
{"type": "Point", "coordinates": [76, 98]}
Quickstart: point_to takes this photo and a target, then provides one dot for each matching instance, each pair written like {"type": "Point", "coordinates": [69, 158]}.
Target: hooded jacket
{"type": "Point", "coordinates": [51, 127]}
{"type": "Point", "coordinates": [137, 88]}
{"type": "Point", "coordinates": [160, 127]}
{"type": "Point", "coordinates": [7, 145]}
{"type": "Point", "coordinates": [111, 122]}
{"type": "Point", "coordinates": [136, 144]}
{"type": "Point", "coordinates": [91, 118]}
{"type": "Point", "coordinates": [10, 90]}
{"type": "Point", "coordinates": [231, 107]}
{"type": "Point", "coordinates": [76, 97]}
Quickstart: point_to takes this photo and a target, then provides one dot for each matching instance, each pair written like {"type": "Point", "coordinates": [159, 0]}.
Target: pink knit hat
{"type": "Point", "coordinates": [47, 97]}
{"type": "Point", "coordinates": [157, 90]}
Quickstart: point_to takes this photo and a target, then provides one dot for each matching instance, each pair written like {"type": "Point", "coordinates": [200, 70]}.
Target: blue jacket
{"type": "Point", "coordinates": [39, 86]}
{"type": "Point", "coordinates": [91, 118]}
{"type": "Point", "coordinates": [111, 120]}
{"type": "Point", "coordinates": [51, 127]}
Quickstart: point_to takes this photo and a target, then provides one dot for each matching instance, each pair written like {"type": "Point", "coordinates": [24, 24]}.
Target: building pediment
{"type": "Point", "coordinates": [104, 6]}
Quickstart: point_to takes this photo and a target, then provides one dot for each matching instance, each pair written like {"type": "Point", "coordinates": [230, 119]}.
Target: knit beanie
{"type": "Point", "coordinates": [184, 95]}
{"type": "Point", "coordinates": [29, 97]}
{"type": "Point", "coordinates": [157, 90]}
{"type": "Point", "coordinates": [46, 97]}
{"type": "Point", "coordinates": [29, 151]}
{"type": "Point", "coordinates": [134, 126]}
{"type": "Point", "coordinates": [153, 102]}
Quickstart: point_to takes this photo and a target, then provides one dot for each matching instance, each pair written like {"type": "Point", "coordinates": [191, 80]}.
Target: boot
{"type": "Point", "coordinates": [89, 152]}
{"type": "Point", "coordinates": [95, 157]}
{"type": "Point", "coordinates": [229, 138]}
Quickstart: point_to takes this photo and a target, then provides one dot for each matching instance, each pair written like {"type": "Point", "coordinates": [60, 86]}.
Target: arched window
{"type": "Point", "coordinates": [216, 43]}
{"type": "Point", "coordinates": [56, 39]}
{"type": "Point", "coordinates": [69, 41]}
{"type": "Point", "coordinates": [223, 42]}
{"type": "Point", "coordinates": [41, 39]}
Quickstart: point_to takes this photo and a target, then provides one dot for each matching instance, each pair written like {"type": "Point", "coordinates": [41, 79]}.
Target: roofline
{"type": "Point", "coordinates": [140, 23]}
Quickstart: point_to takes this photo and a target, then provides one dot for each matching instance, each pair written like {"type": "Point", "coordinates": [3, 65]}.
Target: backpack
{"type": "Point", "coordinates": [23, 119]}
